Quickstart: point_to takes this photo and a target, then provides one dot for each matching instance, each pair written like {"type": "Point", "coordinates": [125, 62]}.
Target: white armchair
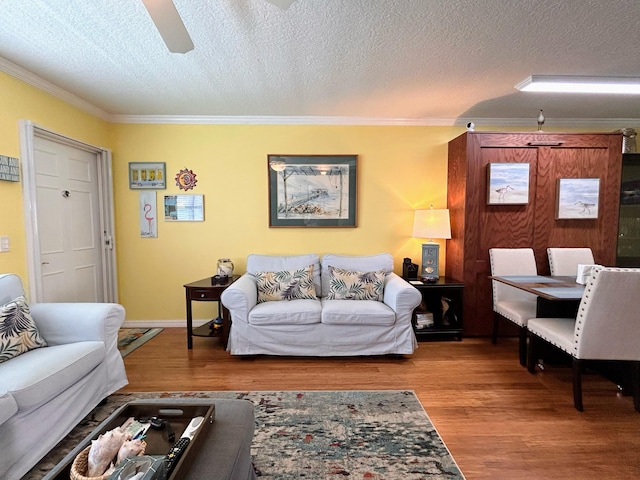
{"type": "Point", "coordinates": [51, 388]}
{"type": "Point", "coordinates": [606, 328]}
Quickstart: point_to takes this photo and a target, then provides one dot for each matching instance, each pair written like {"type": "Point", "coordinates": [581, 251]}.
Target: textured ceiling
{"type": "Point", "coordinates": [435, 61]}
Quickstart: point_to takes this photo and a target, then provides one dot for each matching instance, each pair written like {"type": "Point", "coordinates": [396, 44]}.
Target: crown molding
{"type": "Point", "coordinates": [279, 120]}
{"type": "Point", "coordinates": [48, 87]}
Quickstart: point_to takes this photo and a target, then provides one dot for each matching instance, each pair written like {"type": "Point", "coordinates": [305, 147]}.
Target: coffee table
{"type": "Point", "coordinates": [223, 452]}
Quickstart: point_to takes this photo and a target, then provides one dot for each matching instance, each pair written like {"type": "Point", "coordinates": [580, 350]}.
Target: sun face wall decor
{"type": "Point", "coordinates": [186, 179]}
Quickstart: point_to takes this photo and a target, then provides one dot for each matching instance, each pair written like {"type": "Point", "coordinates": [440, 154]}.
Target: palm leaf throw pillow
{"type": "Point", "coordinates": [285, 285]}
{"type": "Point", "coordinates": [18, 331]}
{"type": "Point", "coordinates": [354, 285]}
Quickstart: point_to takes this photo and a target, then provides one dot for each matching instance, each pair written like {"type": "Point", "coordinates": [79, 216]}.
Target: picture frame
{"type": "Point", "coordinates": [578, 198]}
{"type": "Point", "coordinates": [184, 208]}
{"type": "Point", "coordinates": [507, 184]}
{"type": "Point", "coordinates": [312, 190]}
{"type": "Point", "coordinates": [147, 176]}
{"type": "Point", "coordinates": [147, 214]}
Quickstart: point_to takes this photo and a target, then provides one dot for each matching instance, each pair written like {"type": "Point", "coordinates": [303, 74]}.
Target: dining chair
{"type": "Point", "coordinates": [606, 328]}
{"type": "Point", "coordinates": [564, 261]}
{"type": "Point", "coordinates": [511, 303]}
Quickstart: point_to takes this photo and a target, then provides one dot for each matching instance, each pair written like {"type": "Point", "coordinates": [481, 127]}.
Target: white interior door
{"type": "Point", "coordinates": [68, 217]}
{"type": "Point", "coordinates": [68, 199]}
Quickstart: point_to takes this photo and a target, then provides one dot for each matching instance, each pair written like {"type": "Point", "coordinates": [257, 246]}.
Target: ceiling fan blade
{"type": "Point", "coordinates": [169, 24]}
{"type": "Point", "coordinates": [283, 4]}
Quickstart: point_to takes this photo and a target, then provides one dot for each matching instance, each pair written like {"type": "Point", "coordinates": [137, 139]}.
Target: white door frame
{"type": "Point", "coordinates": [28, 132]}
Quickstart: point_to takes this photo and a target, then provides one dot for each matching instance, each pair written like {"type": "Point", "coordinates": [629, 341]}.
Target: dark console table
{"type": "Point", "coordinates": [436, 297]}
{"type": "Point", "coordinates": [206, 291]}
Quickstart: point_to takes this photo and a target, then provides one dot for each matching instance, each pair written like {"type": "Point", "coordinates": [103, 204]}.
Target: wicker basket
{"type": "Point", "coordinates": [81, 465]}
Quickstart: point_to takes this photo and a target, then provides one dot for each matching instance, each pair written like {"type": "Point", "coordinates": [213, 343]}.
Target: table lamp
{"type": "Point", "coordinates": [430, 224]}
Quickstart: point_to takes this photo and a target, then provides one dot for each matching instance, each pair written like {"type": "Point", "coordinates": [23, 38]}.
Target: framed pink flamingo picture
{"type": "Point", "coordinates": [148, 216]}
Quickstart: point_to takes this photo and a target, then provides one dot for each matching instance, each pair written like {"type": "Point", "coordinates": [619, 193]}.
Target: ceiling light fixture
{"type": "Point", "coordinates": [580, 84]}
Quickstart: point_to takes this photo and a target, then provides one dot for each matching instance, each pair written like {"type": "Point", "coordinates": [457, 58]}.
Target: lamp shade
{"type": "Point", "coordinates": [433, 223]}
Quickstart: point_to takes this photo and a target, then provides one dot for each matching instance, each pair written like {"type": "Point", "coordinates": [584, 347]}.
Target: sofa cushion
{"type": "Point", "coordinates": [18, 331]}
{"type": "Point", "coordinates": [275, 263]}
{"type": "Point", "coordinates": [295, 312]}
{"type": "Point", "coordinates": [357, 312]}
{"type": "Point", "coordinates": [35, 377]}
{"type": "Point", "coordinates": [355, 285]}
{"type": "Point", "coordinates": [8, 407]}
{"type": "Point", "coordinates": [362, 263]}
{"type": "Point", "coordinates": [285, 285]}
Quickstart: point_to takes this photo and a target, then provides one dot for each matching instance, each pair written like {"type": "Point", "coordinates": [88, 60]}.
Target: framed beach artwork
{"type": "Point", "coordinates": [184, 208]}
{"type": "Point", "coordinates": [578, 198]}
{"type": "Point", "coordinates": [507, 184]}
{"type": "Point", "coordinates": [312, 190]}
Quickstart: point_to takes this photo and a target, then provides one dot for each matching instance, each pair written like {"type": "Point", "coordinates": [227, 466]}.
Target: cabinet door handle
{"type": "Point", "coordinates": [544, 144]}
{"type": "Point", "coordinates": [202, 295]}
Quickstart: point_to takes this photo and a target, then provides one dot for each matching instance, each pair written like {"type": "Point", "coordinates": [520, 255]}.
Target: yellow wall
{"type": "Point", "coordinates": [400, 169]}
{"type": "Point", "coordinates": [20, 101]}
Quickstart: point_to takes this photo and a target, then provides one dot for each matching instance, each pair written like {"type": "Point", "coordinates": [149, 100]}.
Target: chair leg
{"type": "Point", "coordinates": [494, 336]}
{"type": "Point", "coordinates": [522, 346]}
{"type": "Point", "coordinates": [531, 353]}
{"type": "Point", "coordinates": [635, 384]}
{"type": "Point", "coordinates": [577, 366]}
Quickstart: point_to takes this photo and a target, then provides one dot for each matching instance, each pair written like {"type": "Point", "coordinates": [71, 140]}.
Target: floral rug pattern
{"type": "Point", "coordinates": [380, 434]}
{"type": "Point", "coordinates": [131, 338]}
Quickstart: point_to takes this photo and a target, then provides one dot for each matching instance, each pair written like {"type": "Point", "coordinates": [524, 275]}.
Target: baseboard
{"type": "Point", "coordinates": [161, 323]}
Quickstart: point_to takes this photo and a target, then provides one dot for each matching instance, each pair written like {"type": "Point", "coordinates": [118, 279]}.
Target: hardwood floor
{"type": "Point", "coordinates": [499, 421]}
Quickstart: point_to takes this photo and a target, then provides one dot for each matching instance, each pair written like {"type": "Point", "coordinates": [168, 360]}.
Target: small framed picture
{"type": "Point", "coordinates": [578, 198]}
{"type": "Point", "coordinates": [147, 176]}
{"type": "Point", "coordinates": [184, 208]}
{"type": "Point", "coordinates": [507, 184]}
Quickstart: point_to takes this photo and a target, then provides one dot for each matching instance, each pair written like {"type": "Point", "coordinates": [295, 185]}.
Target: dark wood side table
{"type": "Point", "coordinates": [449, 292]}
{"type": "Point", "coordinates": [206, 291]}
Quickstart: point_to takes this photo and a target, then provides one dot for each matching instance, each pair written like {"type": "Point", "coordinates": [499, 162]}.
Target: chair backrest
{"type": "Point", "coordinates": [511, 261]}
{"type": "Point", "coordinates": [608, 321]}
{"type": "Point", "coordinates": [564, 261]}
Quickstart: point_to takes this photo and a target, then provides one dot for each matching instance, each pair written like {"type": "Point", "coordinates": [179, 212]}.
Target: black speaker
{"type": "Point", "coordinates": [409, 270]}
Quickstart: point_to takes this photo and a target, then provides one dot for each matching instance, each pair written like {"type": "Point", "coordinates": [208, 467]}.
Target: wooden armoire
{"type": "Point", "coordinates": [477, 226]}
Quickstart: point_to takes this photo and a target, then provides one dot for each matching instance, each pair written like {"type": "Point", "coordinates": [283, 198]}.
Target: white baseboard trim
{"type": "Point", "coordinates": [162, 323]}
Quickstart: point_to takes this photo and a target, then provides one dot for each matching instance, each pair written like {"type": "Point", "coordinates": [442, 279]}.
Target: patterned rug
{"type": "Point", "coordinates": [131, 338]}
{"type": "Point", "coordinates": [381, 434]}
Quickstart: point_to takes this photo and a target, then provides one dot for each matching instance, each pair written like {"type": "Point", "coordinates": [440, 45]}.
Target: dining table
{"type": "Point", "coordinates": [560, 297]}
{"type": "Point", "coordinates": [556, 296]}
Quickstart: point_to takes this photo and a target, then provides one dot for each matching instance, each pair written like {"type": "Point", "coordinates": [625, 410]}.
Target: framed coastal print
{"type": "Point", "coordinates": [578, 198]}
{"type": "Point", "coordinates": [507, 184]}
{"type": "Point", "coordinates": [147, 176]}
{"type": "Point", "coordinates": [312, 190]}
{"type": "Point", "coordinates": [184, 208]}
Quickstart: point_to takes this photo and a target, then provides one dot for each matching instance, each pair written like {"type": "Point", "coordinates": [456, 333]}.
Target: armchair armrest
{"type": "Point", "coordinates": [62, 323]}
{"type": "Point", "coordinates": [401, 297]}
{"type": "Point", "coordinates": [240, 297]}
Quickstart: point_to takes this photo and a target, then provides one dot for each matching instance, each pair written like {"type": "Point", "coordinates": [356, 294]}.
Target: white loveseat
{"type": "Point", "coordinates": [320, 326]}
{"type": "Point", "coordinates": [46, 391]}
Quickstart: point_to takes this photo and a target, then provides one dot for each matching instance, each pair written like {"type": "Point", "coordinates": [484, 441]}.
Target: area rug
{"type": "Point", "coordinates": [380, 434]}
{"type": "Point", "coordinates": [131, 338]}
